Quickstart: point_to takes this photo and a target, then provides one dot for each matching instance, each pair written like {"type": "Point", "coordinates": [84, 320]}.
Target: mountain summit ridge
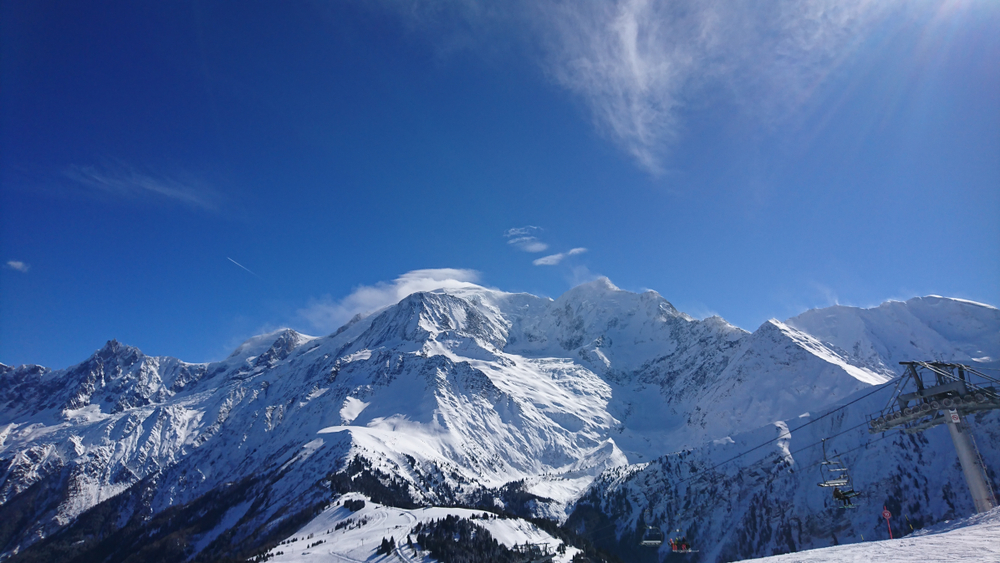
{"type": "Point", "coordinates": [464, 395]}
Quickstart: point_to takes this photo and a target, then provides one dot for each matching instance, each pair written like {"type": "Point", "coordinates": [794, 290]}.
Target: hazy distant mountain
{"type": "Point", "coordinates": [470, 397]}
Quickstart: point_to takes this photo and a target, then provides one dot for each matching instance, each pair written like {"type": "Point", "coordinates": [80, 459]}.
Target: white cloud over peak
{"type": "Point", "coordinates": [553, 259]}
{"type": "Point", "coordinates": [328, 314]}
{"type": "Point", "coordinates": [18, 265]}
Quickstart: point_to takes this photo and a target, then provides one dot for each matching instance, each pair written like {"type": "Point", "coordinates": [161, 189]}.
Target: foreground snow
{"type": "Point", "coordinates": [361, 533]}
{"type": "Point", "coordinates": [973, 540]}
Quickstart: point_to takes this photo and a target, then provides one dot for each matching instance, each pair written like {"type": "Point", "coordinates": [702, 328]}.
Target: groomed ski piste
{"type": "Point", "coordinates": [360, 534]}
{"type": "Point", "coordinates": [970, 540]}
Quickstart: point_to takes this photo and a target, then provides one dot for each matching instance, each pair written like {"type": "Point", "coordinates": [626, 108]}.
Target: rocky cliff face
{"type": "Point", "coordinates": [468, 396]}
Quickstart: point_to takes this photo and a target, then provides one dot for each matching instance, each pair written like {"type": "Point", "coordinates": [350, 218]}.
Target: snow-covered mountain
{"type": "Point", "coordinates": [462, 396]}
{"type": "Point", "coordinates": [932, 327]}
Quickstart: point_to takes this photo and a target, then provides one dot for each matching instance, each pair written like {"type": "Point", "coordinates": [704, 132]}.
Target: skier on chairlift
{"type": "Point", "coordinates": [838, 495]}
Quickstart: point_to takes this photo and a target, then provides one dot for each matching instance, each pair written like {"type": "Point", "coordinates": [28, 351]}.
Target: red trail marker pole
{"type": "Point", "coordinates": [887, 515]}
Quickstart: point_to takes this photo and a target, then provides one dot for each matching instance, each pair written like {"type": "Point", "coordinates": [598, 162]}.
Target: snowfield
{"type": "Point", "coordinates": [970, 540]}
{"type": "Point", "coordinates": [362, 532]}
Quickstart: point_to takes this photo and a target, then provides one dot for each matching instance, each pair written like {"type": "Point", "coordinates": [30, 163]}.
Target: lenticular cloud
{"type": "Point", "coordinates": [328, 314]}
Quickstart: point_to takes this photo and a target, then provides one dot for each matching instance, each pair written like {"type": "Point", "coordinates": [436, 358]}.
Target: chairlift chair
{"type": "Point", "coordinates": [680, 544]}
{"type": "Point", "coordinates": [651, 536]}
{"type": "Point", "coordinates": [834, 473]}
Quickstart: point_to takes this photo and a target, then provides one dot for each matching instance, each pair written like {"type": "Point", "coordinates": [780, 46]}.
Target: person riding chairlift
{"type": "Point", "coordinates": [838, 495]}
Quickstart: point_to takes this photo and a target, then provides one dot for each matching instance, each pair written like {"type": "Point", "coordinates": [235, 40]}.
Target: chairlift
{"type": "Point", "coordinates": [651, 536]}
{"type": "Point", "coordinates": [834, 473]}
{"type": "Point", "coordinates": [534, 552]}
{"type": "Point", "coordinates": [680, 544]}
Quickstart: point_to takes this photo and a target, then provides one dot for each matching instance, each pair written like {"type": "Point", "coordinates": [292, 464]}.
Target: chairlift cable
{"type": "Point", "coordinates": [948, 375]}
{"type": "Point", "coordinates": [899, 381]}
{"type": "Point", "coordinates": [780, 436]}
{"type": "Point", "coordinates": [862, 446]}
{"type": "Point", "coordinates": [869, 442]}
{"type": "Point", "coordinates": [895, 393]}
{"type": "Point", "coordinates": [814, 444]}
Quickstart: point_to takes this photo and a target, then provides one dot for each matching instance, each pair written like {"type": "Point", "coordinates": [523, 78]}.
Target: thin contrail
{"type": "Point", "coordinates": [242, 266]}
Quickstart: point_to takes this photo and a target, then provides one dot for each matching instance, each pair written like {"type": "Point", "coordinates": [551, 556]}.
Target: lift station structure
{"type": "Point", "coordinates": [944, 393]}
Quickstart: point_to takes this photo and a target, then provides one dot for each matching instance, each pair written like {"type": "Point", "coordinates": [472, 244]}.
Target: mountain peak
{"type": "Point", "coordinates": [601, 284]}
{"type": "Point", "coordinates": [595, 291]}
{"type": "Point", "coordinates": [257, 345]}
{"type": "Point", "coordinates": [112, 348]}
{"type": "Point", "coordinates": [112, 345]}
{"type": "Point", "coordinates": [880, 337]}
{"type": "Point", "coordinates": [429, 315]}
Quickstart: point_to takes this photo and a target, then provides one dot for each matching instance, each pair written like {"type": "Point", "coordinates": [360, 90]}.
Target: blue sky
{"type": "Point", "coordinates": [183, 175]}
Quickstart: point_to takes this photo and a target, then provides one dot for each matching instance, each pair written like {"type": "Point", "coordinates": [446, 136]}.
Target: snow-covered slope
{"type": "Point", "coordinates": [768, 501]}
{"type": "Point", "coordinates": [930, 328]}
{"type": "Point", "coordinates": [755, 493]}
{"type": "Point", "coordinates": [970, 540]}
{"type": "Point", "coordinates": [467, 395]}
{"type": "Point", "coordinates": [338, 533]}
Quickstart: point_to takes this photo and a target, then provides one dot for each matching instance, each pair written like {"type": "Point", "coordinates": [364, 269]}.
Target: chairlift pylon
{"type": "Point", "coordinates": [534, 552]}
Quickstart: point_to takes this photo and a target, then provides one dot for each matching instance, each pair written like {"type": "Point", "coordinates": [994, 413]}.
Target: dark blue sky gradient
{"type": "Point", "coordinates": [330, 146]}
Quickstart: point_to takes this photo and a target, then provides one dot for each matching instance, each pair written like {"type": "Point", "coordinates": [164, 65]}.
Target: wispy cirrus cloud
{"type": "Point", "coordinates": [524, 239]}
{"type": "Point", "coordinates": [327, 314]}
{"type": "Point", "coordinates": [19, 266]}
{"type": "Point", "coordinates": [638, 64]}
{"type": "Point", "coordinates": [127, 182]}
{"type": "Point", "coordinates": [522, 231]}
{"type": "Point", "coordinates": [553, 259]}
